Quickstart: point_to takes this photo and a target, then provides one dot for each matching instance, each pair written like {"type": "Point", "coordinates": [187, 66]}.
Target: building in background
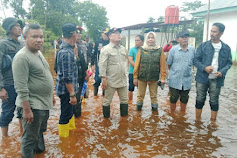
{"type": "Point", "coordinates": [223, 11]}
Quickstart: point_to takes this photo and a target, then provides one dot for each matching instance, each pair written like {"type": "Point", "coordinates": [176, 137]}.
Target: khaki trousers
{"type": "Point", "coordinates": [142, 91]}
{"type": "Point", "coordinates": [122, 93]}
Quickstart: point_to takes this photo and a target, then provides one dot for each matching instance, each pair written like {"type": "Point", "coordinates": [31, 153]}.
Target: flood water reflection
{"type": "Point", "coordinates": [140, 134]}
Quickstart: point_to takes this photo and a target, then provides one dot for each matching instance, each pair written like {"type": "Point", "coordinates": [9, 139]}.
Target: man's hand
{"type": "Point", "coordinates": [104, 84]}
{"type": "Point", "coordinates": [54, 101]}
{"type": "Point", "coordinates": [162, 82]}
{"type": "Point", "coordinates": [3, 94]}
{"type": "Point", "coordinates": [93, 69]}
{"type": "Point", "coordinates": [73, 100]}
{"type": "Point", "coordinates": [135, 82]}
{"type": "Point", "coordinates": [87, 76]}
{"type": "Point", "coordinates": [28, 115]}
{"type": "Point", "coordinates": [209, 69]}
{"type": "Point", "coordinates": [218, 74]}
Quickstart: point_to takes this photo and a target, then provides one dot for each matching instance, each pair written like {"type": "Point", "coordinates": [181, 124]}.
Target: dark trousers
{"type": "Point", "coordinates": [8, 107]}
{"type": "Point", "coordinates": [175, 94]}
{"type": "Point", "coordinates": [66, 109]}
{"type": "Point", "coordinates": [32, 140]}
{"type": "Point", "coordinates": [77, 107]}
{"type": "Point", "coordinates": [97, 78]}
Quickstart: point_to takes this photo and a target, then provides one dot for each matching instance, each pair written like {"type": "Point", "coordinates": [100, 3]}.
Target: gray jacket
{"type": "Point", "coordinates": [8, 49]}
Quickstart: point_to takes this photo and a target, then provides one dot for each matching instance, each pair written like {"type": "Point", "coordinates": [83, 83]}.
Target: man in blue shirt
{"type": "Point", "coordinates": [67, 79]}
{"type": "Point", "coordinates": [180, 62]}
{"type": "Point", "coordinates": [139, 40]}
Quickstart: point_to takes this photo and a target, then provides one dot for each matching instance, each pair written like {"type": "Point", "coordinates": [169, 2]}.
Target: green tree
{"type": "Point", "coordinates": [53, 14]}
{"type": "Point", "coordinates": [160, 19]}
{"type": "Point", "coordinates": [93, 16]}
{"type": "Point", "coordinates": [17, 7]}
{"type": "Point", "coordinates": [191, 6]}
{"type": "Point", "coordinates": [197, 26]}
{"type": "Point", "coordinates": [151, 20]}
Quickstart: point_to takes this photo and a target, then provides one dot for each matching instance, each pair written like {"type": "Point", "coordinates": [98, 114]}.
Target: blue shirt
{"type": "Point", "coordinates": [66, 69]}
{"type": "Point", "coordinates": [133, 53]}
{"type": "Point", "coordinates": [181, 62]}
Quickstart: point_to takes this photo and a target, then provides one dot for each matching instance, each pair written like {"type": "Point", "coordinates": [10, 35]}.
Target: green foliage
{"type": "Point", "coordinates": [93, 16]}
{"type": "Point", "coordinates": [17, 7]}
{"type": "Point", "coordinates": [151, 20]}
{"type": "Point", "coordinates": [2, 32]}
{"type": "Point", "coordinates": [53, 14]}
{"type": "Point", "coordinates": [197, 26]}
{"type": "Point", "coordinates": [191, 6]}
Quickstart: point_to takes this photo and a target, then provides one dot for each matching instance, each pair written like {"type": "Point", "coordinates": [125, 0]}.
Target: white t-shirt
{"type": "Point", "coordinates": [217, 47]}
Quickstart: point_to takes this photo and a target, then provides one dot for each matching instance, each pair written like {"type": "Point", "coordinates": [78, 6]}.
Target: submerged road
{"type": "Point", "coordinates": [140, 134]}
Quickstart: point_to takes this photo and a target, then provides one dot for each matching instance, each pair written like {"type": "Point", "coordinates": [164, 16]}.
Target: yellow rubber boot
{"type": "Point", "coordinates": [63, 130]}
{"type": "Point", "coordinates": [72, 123]}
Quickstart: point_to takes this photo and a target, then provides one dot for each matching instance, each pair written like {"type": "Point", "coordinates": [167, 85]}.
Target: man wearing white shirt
{"type": "Point", "coordinates": [213, 59]}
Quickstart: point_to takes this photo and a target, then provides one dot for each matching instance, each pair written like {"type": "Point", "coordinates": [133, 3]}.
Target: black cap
{"type": "Point", "coordinates": [9, 22]}
{"type": "Point", "coordinates": [69, 28]}
{"type": "Point", "coordinates": [182, 33]}
{"type": "Point", "coordinates": [113, 30]}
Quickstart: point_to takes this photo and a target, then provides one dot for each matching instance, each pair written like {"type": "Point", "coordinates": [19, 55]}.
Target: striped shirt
{"type": "Point", "coordinates": [181, 62]}
{"type": "Point", "coordinates": [66, 69]}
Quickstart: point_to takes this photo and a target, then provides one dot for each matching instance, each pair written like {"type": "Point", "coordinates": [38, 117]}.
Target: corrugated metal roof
{"type": "Point", "coordinates": [218, 4]}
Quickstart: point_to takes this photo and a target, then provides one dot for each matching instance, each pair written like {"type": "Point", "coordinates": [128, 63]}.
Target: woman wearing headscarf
{"type": "Point", "coordinates": [149, 68]}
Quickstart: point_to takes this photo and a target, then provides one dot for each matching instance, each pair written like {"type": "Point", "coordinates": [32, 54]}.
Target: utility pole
{"type": "Point", "coordinates": [208, 17]}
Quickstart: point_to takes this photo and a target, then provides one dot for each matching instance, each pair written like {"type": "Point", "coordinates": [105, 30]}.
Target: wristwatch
{"type": "Point", "coordinates": [73, 95]}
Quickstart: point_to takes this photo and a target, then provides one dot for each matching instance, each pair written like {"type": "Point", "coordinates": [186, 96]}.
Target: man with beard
{"type": "Point", "coordinates": [213, 59]}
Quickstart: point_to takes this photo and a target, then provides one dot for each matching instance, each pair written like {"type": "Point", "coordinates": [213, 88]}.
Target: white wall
{"type": "Point", "coordinates": [229, 37]}
{"type": "Point", "coordinates": [161, 38]}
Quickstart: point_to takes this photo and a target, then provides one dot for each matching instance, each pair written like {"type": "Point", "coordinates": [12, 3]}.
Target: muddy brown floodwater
{"type": "Point", "coordinates": [140, 134]}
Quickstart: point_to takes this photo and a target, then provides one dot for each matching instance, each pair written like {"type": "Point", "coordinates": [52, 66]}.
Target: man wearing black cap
{"type": "Point", "coordinates": [67, 79]}
{"type": "Point", "coordinates": [9, 46]}
{"type": "Point", "coordinates": [103, 41]}
{"type": "Point", "coordinates": [180, 62]}
{"type": "Point", "coordinates": [112, 66]}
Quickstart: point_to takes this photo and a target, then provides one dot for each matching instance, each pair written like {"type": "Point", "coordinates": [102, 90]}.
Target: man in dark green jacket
{"type": "Point", "coordinates": [9, 46]}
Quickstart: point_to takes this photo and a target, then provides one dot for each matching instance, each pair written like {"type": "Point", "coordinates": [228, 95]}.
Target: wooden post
{"type": "Point", "coordinates": [208, 15]}
{"type": "Point", "coordinates": [128, 39]}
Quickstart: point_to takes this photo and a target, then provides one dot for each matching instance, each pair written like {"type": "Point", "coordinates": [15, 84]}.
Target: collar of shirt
{"type": "Point", "coordinates": [67, 45]}
{"type": "Point", "coordinates": [113, 45]}
{"type": "Point", "coordinates": [179, 48]}
{"type": "Point", "coordinates": [11, 39]}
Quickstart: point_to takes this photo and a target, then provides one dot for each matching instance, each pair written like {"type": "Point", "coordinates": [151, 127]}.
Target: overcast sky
{"type": "Point", "coordinates": [123, 13]}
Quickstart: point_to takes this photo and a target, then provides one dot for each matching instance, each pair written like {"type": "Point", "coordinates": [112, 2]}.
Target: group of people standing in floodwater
{"type": "Point", "coordinates": [27, 83]}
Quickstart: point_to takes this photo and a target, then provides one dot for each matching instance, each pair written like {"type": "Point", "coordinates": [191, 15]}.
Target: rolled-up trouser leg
{"type": "Point", "coordinates": [201, 90]}
{"type": "Point", "coordinates": [214, 93]}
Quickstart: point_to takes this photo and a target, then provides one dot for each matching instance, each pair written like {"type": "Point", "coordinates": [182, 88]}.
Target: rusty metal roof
{"type": "Point", "coordinates": [155, 25]}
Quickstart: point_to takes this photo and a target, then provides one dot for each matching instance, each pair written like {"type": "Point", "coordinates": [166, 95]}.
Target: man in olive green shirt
{"type": "Point", "coordinates": [9, 46]}
{"type": "Point", "coordinates": [34, 85]}
{"type": "Point", "coordinates": [112, 65]}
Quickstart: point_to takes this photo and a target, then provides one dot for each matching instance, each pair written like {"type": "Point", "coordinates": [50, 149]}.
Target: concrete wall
{"type": "Point", "coordinates": [161, 38]}
{"type": "Point", "coordinates": [229, 19]}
